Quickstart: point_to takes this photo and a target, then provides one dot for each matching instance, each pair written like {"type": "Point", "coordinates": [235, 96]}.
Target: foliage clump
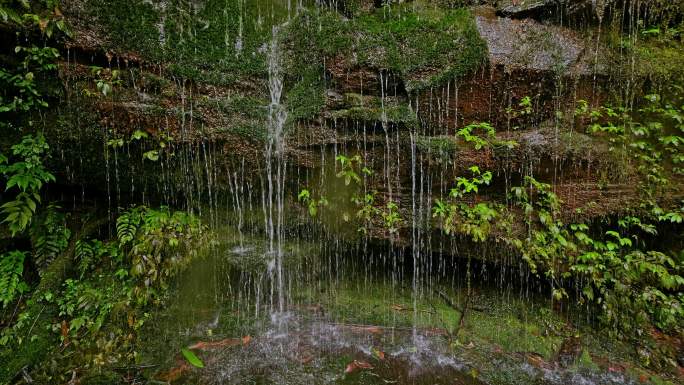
{"type": "Point", "coordinates": [101, 307]}
{"type": "Point", "coordinates": [615, 269]}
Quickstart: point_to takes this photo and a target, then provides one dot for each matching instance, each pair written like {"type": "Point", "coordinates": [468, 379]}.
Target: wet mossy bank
{"type": "Point", "coordinates": [511, 334]}
{"type": "Point", "coordinates": [197, 73]}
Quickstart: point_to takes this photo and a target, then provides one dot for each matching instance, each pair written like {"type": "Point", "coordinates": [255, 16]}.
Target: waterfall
{"type": "Point", "coordinates": [275, 166]}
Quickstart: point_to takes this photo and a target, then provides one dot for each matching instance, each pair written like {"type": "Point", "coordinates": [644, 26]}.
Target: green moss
{"type": "Point", "coordinates": [512, 333]}
{"type": "Point", "coordinates": [358, 100]}
{"type": "Point", "coordinates": [400, 114]}
{"type": "Point", "coordinates": [214, 41]}
{"type": "Point", "coordinates": [372, 109]}
{"type": "Point", "coordinates": [386, 307]}
{"type": "Point", "coordinates": [425, 46]}
{"type": "Point", "coordinates": [105, 378]}
{"type": "Point", "coordinates": [656, 58]}
{"type": "Point", "coordinates": [586, 362]}
{"type": "Point", "coordinates": [500, 324]}
{"type": "Point", "coordinates": [660, 62]}
{"type": "Point", "coordinates": [441, 149]}
{"type": "Point", "coordinates": [247, 107]}
{"type": "Point", "coordinates": [306, 98]}
{"type": "Point", "coordinates": [254, 133]}
{"type": "Point", "coordinates": [30, 352]}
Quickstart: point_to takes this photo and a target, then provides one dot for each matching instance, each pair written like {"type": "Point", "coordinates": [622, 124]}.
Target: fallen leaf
{"type": "Point", "coordinates": [356, 365]}
{"type": "Point", "coordinates": [64, 330]}
{"type": "Point", "coordinates": [436, 332]}
{"type": "Point", "coordinates": [316, 308]}
{"type": "Point", "coordinates": [204, 345]}
{"type": "Point", "coordinates": [367, 329]}
{"type": "Point", "coordinates": [306, 359]}
{"type": "Point", "coordinates": [246, 339]}
{"type": "Point", "coordinates": [536, 360]}
{"type": "Point", "coordinates": [192, 358]}
{"type": "Point", "coordinates": [175, 373]}
{"type": "Point", "coordinates": [399, 307]}
{"type": "Point", "coordinates": [379, 354]}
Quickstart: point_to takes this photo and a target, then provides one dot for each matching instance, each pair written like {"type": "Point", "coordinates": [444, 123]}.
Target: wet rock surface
{"type": "Point", "coordinates": [532, 46]}
{"type": "Point", "coordinates": [544, 9]}
{"type": "Point", "coordinates": [372, 107]}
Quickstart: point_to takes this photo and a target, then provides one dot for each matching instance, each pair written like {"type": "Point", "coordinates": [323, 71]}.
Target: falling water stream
{"type": "Point", "coordinates": [275, 166]}
{"type": "Point", "coordinates": [283, 298]}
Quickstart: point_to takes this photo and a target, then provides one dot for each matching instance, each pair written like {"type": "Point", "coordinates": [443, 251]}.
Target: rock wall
{"type": "Point", "coordinates": [391, 83]}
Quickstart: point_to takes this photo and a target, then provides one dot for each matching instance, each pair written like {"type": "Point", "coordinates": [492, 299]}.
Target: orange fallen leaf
{"type": "Point", "coordinates": [64, 330]}
{"type": "Point", "coordinates": [436, 332]}
{"type": "Point", "coordinates": [306, 359]}
{"type": "Point", "coordinates": [378, 353]}
{"type": "Point", "coordinates": [356, 365]}
{"type": "Point", "coordinates": [203, 345]}
{"type": "Point", "coordinates": [175, 373]}
{"type": "Point", "coordinates": [536, 360]}
{"type": "Point", "coordinates": [246, 339]}
{"type": "Point", "coordinates": [367, 329]}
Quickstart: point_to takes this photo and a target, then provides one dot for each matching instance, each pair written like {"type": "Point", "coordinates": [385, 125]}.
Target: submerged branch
{"type": "Point", "coordinates": [461, 310]}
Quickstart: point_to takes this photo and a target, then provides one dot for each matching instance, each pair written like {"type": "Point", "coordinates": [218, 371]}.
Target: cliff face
{"type": "Point", "coordinates": [173, 96]}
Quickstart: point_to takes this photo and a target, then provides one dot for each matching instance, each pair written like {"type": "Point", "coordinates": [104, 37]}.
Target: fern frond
{"type": "Point", "coordinates": [49, 235]}
{"type": "Point", "coordinates": [11, 271]}
{"type": "Point", "coordinates": [84, 250]}
{"type": "Point", "coordinates": [127, 226]}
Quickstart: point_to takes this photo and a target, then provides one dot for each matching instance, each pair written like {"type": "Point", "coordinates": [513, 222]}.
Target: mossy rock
{"type": "Point", "coordinates": [441, 149]}
{"type": "Point", "coordinates": [395, 114]}
{"type": "Point", "coordinates": [424, 46]}
{"type": "Point", "coordinates": [213, 41]}
{"type": "Point", "coordinates": [104, 378]}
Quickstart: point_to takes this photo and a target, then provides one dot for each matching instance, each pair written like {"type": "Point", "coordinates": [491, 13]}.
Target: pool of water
{"type": "Point", "coordinates": [348, 321]}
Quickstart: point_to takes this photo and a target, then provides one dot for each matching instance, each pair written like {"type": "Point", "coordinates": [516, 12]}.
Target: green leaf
{"type": "Point", "coordinates": [138, 134]}
{"type": "Point", "coordinates": [304, 195]}
{"type": "Point", "coordinates": [152, 155]}
{"type": "Point", "coordinates": [192, 358]}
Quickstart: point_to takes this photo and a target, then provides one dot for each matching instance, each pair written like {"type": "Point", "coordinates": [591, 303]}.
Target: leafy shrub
{"type": "Point", "coordinates": [460, 217]}
{"type": "Point", "coordinates": [101, 309]}
{"type": "Point", "coordinates": [28, 176]}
